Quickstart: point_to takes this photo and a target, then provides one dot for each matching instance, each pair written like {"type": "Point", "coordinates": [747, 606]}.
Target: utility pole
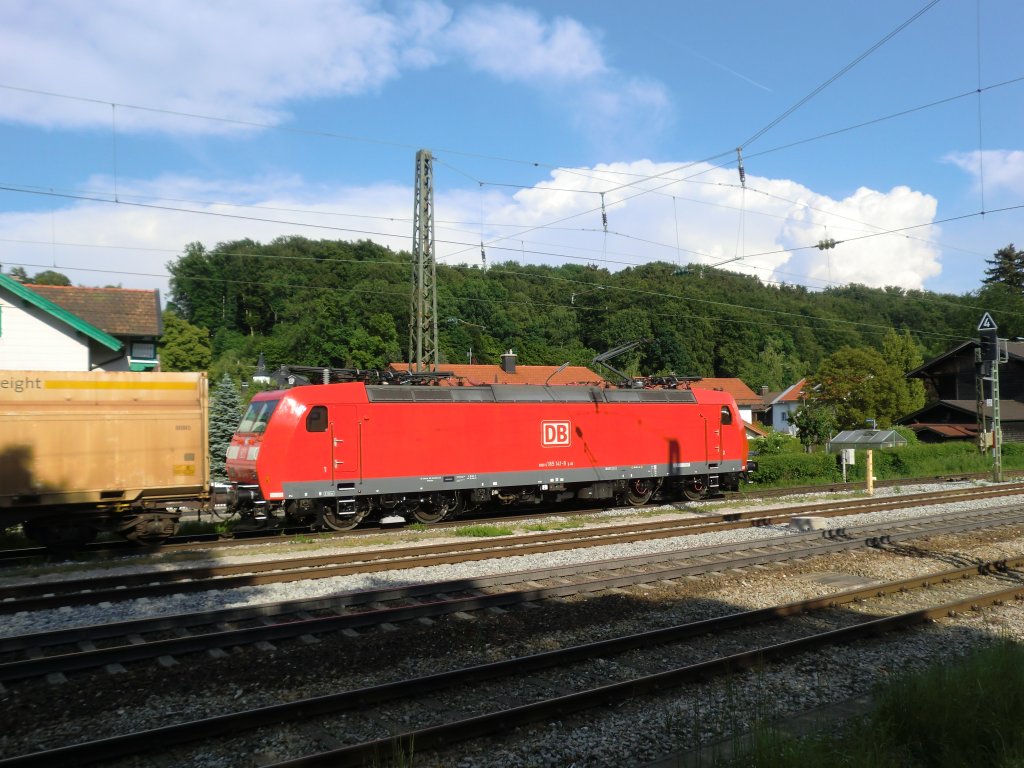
{"type": "Point", "coordinates": [423, 305]}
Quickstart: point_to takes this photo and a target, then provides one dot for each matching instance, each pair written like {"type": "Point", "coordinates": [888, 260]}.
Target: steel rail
{"type": "Point", "coordinates": [484, 725]}
{"type": "Point", "coordinates": [431, 606]}
{"type": "Point", "coordinates": [25, 555]}
{"type": "Point", "coordinates": [48, 595]}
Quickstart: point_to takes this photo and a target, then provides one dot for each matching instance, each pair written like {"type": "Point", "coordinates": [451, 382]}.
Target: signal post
{"type": "Point", "coordinates": [987, 358]}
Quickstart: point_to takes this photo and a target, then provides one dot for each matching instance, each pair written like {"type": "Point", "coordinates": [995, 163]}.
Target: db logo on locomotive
{"type": "Point", "coordinates": [556, 433]}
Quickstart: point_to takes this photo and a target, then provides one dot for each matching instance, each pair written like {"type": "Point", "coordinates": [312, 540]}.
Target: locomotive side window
{"type": "Point", "coordinates": [257, 416]}
{"type": "Point", "coordinates": [726, 415]}
{"type": "Point", "coordinates": [316, 419]}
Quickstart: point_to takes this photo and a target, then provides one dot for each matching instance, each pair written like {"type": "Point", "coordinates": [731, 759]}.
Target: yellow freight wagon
{"type": "Point", "coordinates": [88, 452]}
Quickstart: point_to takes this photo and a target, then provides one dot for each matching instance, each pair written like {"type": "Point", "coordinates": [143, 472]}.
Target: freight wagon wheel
{"type": "Point", "coordinates": [695, 489]}
{"type": "Point", "coordinates": [639, 491]}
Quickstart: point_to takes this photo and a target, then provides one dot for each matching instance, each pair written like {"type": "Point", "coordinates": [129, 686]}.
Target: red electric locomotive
{"type": "Point", "coordinates": [332, 455]}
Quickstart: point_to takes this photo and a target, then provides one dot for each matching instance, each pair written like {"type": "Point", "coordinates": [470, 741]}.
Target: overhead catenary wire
{"type": "Point", "coordinates": [532, 163]}
{"type": "Point", "coordinates": [757, 135]}
{"type": "Point", "coordinates": [537, 164]}
{"type": "Point", "coordinates": [522, 248]}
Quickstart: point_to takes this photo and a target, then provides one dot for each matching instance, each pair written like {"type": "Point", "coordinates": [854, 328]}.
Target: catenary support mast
{"type": "Point", "coordinates": [423, 349]}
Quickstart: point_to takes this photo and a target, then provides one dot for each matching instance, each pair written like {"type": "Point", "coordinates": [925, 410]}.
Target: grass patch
{"type": "Point", "coordinates": [554, 525]}
{"type": "Point", "coordinates": [484, 530]}
{"type": "Point", "coordinates": [948, 716]}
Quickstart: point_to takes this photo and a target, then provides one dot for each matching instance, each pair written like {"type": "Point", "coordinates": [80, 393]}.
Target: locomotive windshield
{"type": "Point", "coordinates": [257, 416]}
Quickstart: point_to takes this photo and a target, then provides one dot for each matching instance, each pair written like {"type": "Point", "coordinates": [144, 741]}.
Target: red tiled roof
{"type": "Point", "coordinates": [524, 374]}
{"type": "Point", "coordinates": [792, 394]}
{"type": "Point", "coordinates": [741, 393]}
{"type": "Point", "coordinates": [117, 311]}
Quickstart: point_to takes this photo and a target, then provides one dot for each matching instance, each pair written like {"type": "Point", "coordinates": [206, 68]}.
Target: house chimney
{"type": "Point", "coordinates": [764, 390]}
{"type": "Point", "coordinates": [508, 362]}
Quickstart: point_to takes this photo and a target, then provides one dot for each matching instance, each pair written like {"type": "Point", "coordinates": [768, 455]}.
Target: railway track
{"type": "Point", "coordinates": [41, 595]}
{"type": "Point", "coordinates": [558, 684]}
{"type": "Point", "coordinates": [168, 638]}
{"type": "Point", "coordinates": [244, 537]}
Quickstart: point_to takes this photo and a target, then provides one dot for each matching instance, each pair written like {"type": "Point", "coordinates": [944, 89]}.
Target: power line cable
{"type": "Point", "coordinates": [839, 74]}
{"type": "Point", "coordinates": [522, 248]}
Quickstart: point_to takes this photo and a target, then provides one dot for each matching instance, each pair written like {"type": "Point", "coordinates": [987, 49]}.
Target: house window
{"type": "Point", "coordinates": [144, 350]}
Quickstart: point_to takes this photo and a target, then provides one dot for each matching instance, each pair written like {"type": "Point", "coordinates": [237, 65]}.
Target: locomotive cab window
{"type": "Point", "coordinates": [316, 419]}
{"type": "Point", "coordinates": [726, 415]}
{"type": "Point", "coordinates": [257, 416]}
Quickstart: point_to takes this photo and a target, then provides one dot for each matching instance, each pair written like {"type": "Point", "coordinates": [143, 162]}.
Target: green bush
{"type": "Point", "coordinates": [918, 460]}
{"type": "Point", "coordinates": [797, 469]}
{"type": "Point", "coordinates": [775, 443]}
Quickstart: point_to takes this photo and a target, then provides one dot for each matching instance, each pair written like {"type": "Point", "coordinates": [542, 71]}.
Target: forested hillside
{"type": "Point", "coordinates": [306, 302]}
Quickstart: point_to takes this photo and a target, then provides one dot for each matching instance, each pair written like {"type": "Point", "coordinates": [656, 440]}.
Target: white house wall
{"type": "Point", "coordinates": [32, 340]}
{"type": "Point", "coordinates": [780, 420]}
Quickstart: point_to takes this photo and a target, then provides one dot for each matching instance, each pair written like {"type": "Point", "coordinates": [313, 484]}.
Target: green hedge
{"type": "Point", "coordinates": [921, 460]}
{"type": "Point", "coordinates": [796, 469]}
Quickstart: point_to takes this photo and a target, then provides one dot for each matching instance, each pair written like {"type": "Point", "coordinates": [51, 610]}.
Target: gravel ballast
{"type": "Point", "coordinates": [631, 734]}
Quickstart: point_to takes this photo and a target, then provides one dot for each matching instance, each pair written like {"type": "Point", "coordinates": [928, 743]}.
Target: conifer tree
{"type": "Point", "coordinates": [1007, 267]}
{"type": "Point", "coordinates": [225, 415]}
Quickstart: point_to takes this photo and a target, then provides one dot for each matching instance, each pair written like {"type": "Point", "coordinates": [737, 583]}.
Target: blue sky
{"type": "Point", "coordinates": [859, 121]}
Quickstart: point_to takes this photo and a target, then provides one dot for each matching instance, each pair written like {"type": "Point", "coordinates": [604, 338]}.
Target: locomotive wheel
{"type": "Point", "coordinates": [639, 491]}
{"type": "Point", "coordinates": [694, 489]}
{"type": "Point", "coordinates": [437, 507]}
{"type": "Point", "coordinates": [330, 518]}
{"type": "Point", "coordinates": [434, 508]}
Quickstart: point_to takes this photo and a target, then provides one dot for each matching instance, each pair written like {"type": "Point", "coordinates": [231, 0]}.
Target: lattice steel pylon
{"type": "Point", "coordinates": [423, 305]}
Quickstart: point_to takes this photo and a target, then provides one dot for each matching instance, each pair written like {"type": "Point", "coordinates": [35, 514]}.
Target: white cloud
{"type": "Point", "coordinates": [242, 59]}
{"type": "Point", "coordinates": [518, 45]}
{"type": "Point", "coordinates": [1000, 169]}
{"type": "Point", "coordinates": [98, 243]}
{"type": "Point", "coordinates": [249, 60]}
{"type": "Point", "coordinates": [769, 230]}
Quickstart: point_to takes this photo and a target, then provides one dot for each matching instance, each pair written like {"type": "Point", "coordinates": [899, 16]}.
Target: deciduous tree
{"type": "Point", "coordinates": [183, 346]}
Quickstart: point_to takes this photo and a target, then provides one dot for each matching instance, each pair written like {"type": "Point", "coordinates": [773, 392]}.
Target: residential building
{"type": "Point", "coordinates": [70, 328]}
{"type": "Point", "coordinates": [950, 382]}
